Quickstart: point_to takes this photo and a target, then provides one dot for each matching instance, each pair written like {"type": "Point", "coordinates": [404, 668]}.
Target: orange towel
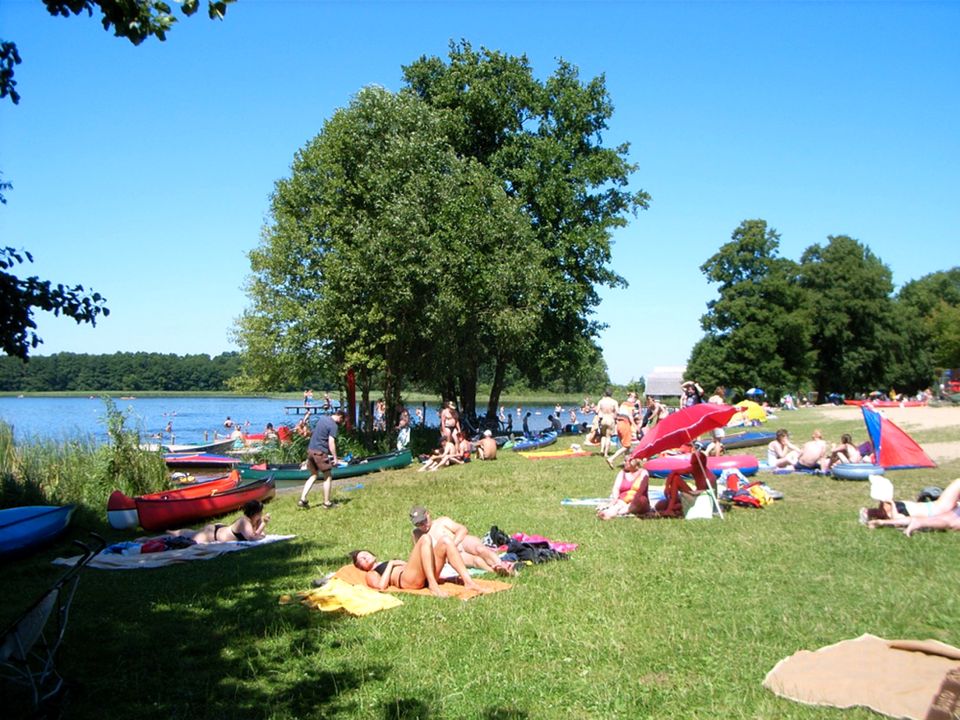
{"type": "Point", "coordinates": [356, 576]}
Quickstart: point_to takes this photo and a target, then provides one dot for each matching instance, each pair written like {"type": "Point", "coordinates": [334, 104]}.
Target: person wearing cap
{"type": "Point", "coordinates": [322, 456]}
{"type": "Point", "coordinates": [471, 548]}
{"type": "Point", "coordinates": [421, 570]}
{"type": "Point", "coordinates": [487, 447]}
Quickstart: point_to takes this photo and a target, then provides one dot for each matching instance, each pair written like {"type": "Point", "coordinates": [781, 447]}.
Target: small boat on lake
{"type": "Point", "coordinates": [23, 529]}
{"type": "Point", "coordinates": [286, 475]}
{"type": "Point", "coordinates": [217, 446]}
{"type": "Point", "coordinates": [171, 509]}
{"type": "Point", "coordinates": [198, 460]}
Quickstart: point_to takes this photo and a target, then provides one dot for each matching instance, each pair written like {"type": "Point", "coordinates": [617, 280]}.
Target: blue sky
{"type": "Point", "coordinates": [145, 172]}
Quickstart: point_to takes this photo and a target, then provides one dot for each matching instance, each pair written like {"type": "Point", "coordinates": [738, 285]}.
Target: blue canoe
{"type": "Point", "coordinates": [25, 528]}
{"type": "Point", "coordinates": [535, 443]}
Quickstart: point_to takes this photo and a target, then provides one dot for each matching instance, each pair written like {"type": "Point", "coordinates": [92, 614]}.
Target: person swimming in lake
{"type": "Point", "coordinates": [249, 527]}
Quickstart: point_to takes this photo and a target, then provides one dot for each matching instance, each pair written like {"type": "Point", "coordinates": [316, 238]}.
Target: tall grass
{"type": "Point", "coordinates": [45, 471]}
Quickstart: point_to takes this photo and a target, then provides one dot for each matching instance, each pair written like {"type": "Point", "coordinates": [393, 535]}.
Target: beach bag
{"type": "Point", "coordinates": [699, 507]}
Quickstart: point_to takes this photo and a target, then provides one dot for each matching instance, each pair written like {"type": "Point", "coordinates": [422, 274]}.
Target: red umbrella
{"type": "Point", "coordinates": [682, 427]}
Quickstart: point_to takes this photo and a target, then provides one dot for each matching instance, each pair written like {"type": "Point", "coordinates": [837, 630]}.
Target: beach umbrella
{"type": "Point", "coordinates": [754, 391]}
{"type": "Point", "coordinates": [747, 412]}
{"type": "Point", "coordinates": [682, 427]}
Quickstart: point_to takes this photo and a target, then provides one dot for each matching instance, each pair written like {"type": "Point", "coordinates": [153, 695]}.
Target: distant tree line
{"type": "Point", "coordinates": [829, 323]}
{"type": "Point", "coordinates": [136, 372]}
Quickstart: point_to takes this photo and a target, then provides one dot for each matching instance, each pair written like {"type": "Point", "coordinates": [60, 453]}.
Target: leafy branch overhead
{"type": "Point", "coordinates": [21, 296]}
{"type": "Point", "coordinates": [135, 20]}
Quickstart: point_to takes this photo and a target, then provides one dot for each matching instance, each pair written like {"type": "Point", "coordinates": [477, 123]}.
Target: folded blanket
{"type": "Point", "coordinates": [356, 576]}
{"type": "Point", "coordinates": [336, 594]}
{"type": "Point", "coordinates": [171, 557]}
{"type": "Point", "coordinates": [900, 678]}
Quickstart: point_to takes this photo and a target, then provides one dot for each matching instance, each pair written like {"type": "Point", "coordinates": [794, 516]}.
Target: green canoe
{"type": "Point", "coordinates": [289, 475]}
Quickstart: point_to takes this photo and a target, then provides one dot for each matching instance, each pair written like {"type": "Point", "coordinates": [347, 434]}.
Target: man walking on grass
{"type": "Point", "coordinates": [322, 456]}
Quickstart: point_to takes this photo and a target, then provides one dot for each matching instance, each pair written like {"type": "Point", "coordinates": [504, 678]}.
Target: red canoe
{"type": "Point", "coordinates": [174, 508]}
{"type": "Point", "coordinates": [666, 464]}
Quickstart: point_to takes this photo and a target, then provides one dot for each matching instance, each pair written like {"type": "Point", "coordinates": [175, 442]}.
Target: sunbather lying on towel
{"type": "Point", "coordinates": [422, 568]}
{"type": "Point", "coordinates": [251, 526]}
{"type": "Point", "coordinates": [940, 514]}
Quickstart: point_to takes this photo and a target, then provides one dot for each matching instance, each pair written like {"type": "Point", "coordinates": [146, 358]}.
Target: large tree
{"type": "Point", "coordinates": [935, 300]}
{"type": "Point", "coordinates": [389, 254]}
{"type": "Point", "coordinates": [544, 141]}
{"type": "Point", "coordinates": [855, 331]}
{"type": "Point", "coordinates": [757, 332]}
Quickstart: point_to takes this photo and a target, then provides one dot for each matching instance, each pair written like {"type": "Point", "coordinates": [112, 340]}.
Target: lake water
{"type": "Point", "coordinates": [193, 419]}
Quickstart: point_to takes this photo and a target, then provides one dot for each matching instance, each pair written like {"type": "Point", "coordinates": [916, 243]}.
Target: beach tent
{"type": "Point", "coordinates": [893, 448]}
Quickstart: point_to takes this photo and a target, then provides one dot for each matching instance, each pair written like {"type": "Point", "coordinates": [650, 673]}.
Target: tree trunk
{"type": "Point", "coordinates": [366, 417]}
{"type": "Point", "coordinates": [468, 393]}
{"type": "Point", "coordinates": [499, 372]}
{"type": "Point", "coordinates": [391, 396]}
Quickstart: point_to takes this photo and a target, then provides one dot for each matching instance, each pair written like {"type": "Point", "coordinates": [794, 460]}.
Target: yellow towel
{"type": "Point", "coordinates": [355, 599]}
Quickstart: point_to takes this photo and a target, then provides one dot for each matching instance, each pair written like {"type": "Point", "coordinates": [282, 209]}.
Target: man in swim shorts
{"type": "Point", "coordinates": [607, 413]}
{"type": "Point", "coordinates": [474, 553]}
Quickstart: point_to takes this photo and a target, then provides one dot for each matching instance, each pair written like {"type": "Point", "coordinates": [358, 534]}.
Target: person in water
{"type": "Point", "coordinates": [250, 526]}
{"type": "Point", "coordinates": [420, 570]}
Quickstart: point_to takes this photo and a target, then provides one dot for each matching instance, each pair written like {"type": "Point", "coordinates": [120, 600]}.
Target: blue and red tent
{"type": "Point", "coordinates": [893, 448]}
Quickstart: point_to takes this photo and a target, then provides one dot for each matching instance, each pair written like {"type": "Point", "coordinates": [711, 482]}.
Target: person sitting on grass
{"type": "Point", "coordinates": [250, 526]}
{"type": "Point", "coordinates": [813, 454]}
{"type": "Point", "coordinates": [845, 452]}
{"type": "Point", "coordinates": [421, 570]}
{"type": "Point", "coordinates": [487, 447]}
{"type": "Point", "coordinates": [943, 513]}
{"type": "Point", "coordinates": [472, 550]}
{"type": "Point", "coordinates": [631, 489]}
{"type": "Point", "coordinates": [715, 448]}
{"type": "Point", "coordinates": [781, 453]}
{"type": "Point", "coordinates": [445, 455]}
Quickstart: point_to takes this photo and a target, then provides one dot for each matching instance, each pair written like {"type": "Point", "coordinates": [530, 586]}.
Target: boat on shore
{"type": "Point", "coordinates": [535, 443]}
{"type": "Point", "coordinates": [198, 460]}
{"type": "Point", "coordinates": [170, 509]}
{"type": "Point", "coordinates": [23, 529]}
{"type": "Point", "coordinates": [217, 446]}
{"type": "Point", "coordinates": [286, 475]}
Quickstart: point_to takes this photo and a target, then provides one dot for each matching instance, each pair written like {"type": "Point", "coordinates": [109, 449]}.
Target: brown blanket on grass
{"type": "Point", "coordinates": [899, 678]}
{"type": "Point", "coordinates": [356, 576]}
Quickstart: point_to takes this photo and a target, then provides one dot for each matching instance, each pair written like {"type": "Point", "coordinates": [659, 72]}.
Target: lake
{"type": "Point", "coordinates": [193, 419]}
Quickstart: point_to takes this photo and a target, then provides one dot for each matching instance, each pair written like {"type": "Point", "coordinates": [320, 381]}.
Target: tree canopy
{"type": "Point", "coordinates": [429, 235]}
{"type": "Point", "coordinates": [829, 323]}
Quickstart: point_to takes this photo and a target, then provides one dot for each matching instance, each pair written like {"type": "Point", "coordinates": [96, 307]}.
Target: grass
{"type": "Point", "coordinates": [659, 619]}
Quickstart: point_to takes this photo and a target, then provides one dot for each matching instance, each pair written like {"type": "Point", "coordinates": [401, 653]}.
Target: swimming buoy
{"type": "Point", "coordinates": [663, 466]}
{"type": "Point", "coordinates": [855, 471]}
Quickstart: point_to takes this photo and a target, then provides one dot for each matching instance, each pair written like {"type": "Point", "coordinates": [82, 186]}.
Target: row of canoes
{"type": "Point", "coordinates": [173, 508]}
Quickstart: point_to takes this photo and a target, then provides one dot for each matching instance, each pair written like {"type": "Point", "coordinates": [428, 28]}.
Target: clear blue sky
{"type": "Point", "coordinates": [145, 172]}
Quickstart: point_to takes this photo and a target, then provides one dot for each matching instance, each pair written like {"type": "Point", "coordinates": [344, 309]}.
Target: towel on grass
{"type": "Point", "coordinates": [654, 492]}
{"type": "Point", "coordinates": [204, 551]}
{"type": "Point", "coordinates": [336, 594]}
{"type": "Point", "coordinates": [356, 576]}
{"type": "Point", "coordinates": [899, 678]}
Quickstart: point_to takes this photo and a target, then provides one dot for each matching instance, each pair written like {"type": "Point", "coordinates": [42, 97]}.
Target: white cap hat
{"type": "Point", "coordinates": [487, 433]}
{"type": "Point", "coordinates": [881, 489]}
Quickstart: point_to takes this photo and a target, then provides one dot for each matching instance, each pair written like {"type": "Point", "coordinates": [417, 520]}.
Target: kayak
{"type": "Point", "coordinates": [191, 460]}
{"type": "Point", "coordinates": [666, 464]}
{"type": "Point", "coordinates": [170, 509]}
{"type": "Point", "coordinates": [24, 528]}
{"type": "Point", "coordinates": [748, 439]}
{"type": "Point", "coordinates": [291, 474]}
{"type": "Point", "coordinates": [535, 443]}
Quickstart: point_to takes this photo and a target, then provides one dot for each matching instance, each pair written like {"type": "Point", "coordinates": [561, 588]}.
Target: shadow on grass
{"type": "Point", "coordinates": [204, 639]}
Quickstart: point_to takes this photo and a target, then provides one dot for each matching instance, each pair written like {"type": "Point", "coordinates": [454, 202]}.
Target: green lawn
{"type": "Point", "coordinates": [659, 618]}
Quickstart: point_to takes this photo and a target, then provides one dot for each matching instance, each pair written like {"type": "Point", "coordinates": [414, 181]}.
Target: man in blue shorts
{"type": "Point", "coordinates": [322, 456]}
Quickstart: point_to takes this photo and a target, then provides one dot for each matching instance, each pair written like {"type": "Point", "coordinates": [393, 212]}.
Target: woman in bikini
{"type": "Point", "coordinates": [419, 571]}
{"type": "Point", "coordinates": [248, 527]}
{"type": "Point", "coordinates": [940, 514]}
